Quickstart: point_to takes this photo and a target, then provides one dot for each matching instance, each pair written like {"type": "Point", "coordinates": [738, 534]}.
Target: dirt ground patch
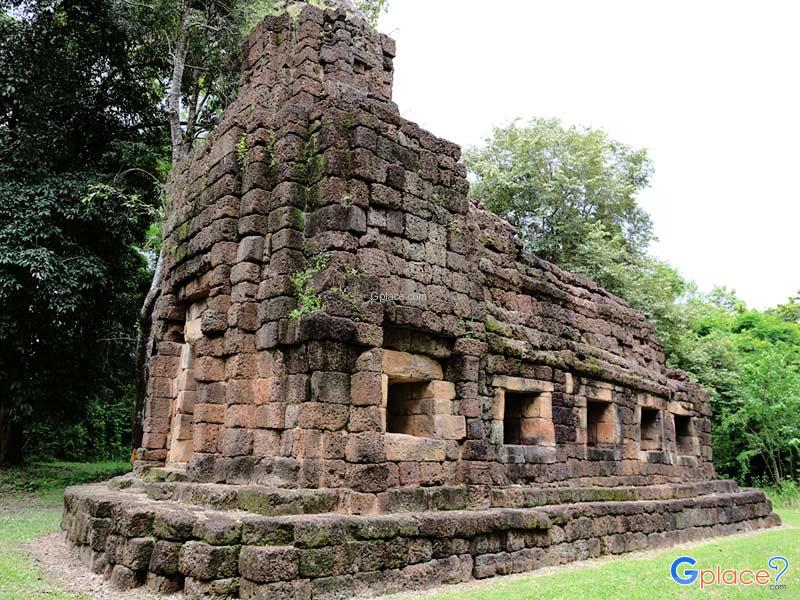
{"type": "Point", "coordinates": [60, 563]}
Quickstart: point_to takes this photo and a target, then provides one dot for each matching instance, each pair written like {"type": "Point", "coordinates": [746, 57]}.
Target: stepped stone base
{"type": "Point", "coordinates": [260, 543]}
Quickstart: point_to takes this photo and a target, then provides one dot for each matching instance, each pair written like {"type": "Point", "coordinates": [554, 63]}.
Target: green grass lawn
{"type": "Point", "coordinates": [645, 576]}
{"type": "Point", "coordinates": [30, 507]}
{"type": "Point", "coordinates": [637, 578]}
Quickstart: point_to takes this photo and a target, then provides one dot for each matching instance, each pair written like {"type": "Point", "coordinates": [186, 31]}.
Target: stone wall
{"type": "Point", "coordinates": [313, 172]}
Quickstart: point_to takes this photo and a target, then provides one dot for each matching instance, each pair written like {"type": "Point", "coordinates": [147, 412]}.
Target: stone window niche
{"type": "Point", "coordinates": [650, 429]}
{"type": "Point", "coordinates": [600, 424]}
{"type": "Point", "coordinates": [516, 405]}
{"type": "Point", "coordinates": [419, 407]}
{"type": "Point", "coordinates": [651, 435]}
{"type": "Point", "coordinates": [409, 409]}
{"type": "Point", "coordinates": [686, 442]}
{"type": "Point", "coordinates": [602, 437]}
{"type": "Point", "coordinates": [523, 419]}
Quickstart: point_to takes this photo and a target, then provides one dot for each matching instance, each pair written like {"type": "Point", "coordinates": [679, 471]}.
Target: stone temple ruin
{"type": "Point", "coordinates": [359, 383]}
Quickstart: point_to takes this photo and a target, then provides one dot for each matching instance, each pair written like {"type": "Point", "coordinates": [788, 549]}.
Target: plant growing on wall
{"type": "Point", "coordinates": [308, 301]}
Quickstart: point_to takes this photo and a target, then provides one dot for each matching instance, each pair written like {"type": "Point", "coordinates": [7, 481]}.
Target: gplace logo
{"type": "Point", "coordinates": [719, 576]}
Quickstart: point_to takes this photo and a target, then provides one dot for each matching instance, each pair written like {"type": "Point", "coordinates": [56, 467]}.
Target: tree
{"type": "Point", "coordinates": [372, 9]}
{"type": "Point", "coordinates": [70, 281]}
{"type": "Point", "coordinates": [199, 41]}
{"type": "Point", "coordinates": [767, 416]}
{"type": "Point", "coordinates": [789, 311]}
{"type": "Point", "coordinates": [572, 194]}
{"type": "Point", "coordinates": [557, 184]}
{"type": "Point", "coordinates": [81, 135]}
{"type": "Point", "coordinates": [749, 361]}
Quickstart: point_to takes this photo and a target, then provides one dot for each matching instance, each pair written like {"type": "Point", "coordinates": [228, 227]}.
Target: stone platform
{"type": "Point", "coordinates": [254, 542]}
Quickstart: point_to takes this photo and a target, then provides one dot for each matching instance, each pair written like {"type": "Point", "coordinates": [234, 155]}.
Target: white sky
{"type": "Point", "coordinates": [710, 88]}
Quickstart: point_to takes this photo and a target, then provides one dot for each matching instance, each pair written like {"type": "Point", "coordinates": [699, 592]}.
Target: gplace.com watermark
{"type": "Point", "coordinates": [729, 577]}
{"type": "Point", "coordinates": [413, 298]}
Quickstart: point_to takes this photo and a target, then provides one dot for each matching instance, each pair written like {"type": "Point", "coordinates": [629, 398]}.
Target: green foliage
{"type": "Point", "coordinates": [256, 10]}
{"type": "Point", "coordinates": [749, 361]}
{"type": "Point", "coordinates": [213, 59]}
{"type": "Point", "coordinates": [768, 416]}
{"type": "Point", "coordinates": [71, 282]}
{"type": "Point", "coordinates": [785, 495]}
{"type": "Point", "coordinates": [308, 301]}
{"type": "Point", "coordinates": [558, 184]}
{"type": "Point", "coordinates": [103, 431]}
{"type": "Point", "coordinates": [82, 142]}
{"type": "Point", "coordinates": [789, 311]}
{"type": "Point", "coordinates": [54, 476]}
{"type": "Point", "coordinates": [75, 90]}
{"type": "Point", "coordinates": [372, 9]}
{"type": "Point", "coordinates": [242, 152]}
{"type": "Point", "coordinates": [153, 238]}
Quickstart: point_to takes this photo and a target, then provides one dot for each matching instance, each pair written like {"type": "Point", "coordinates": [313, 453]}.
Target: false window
{"type": "Point", "coordinates": [527, 419]}
{"type": "Point", "coordinates": [650, 429]}
{"type": "Point", "coordinates": [408, 411]}
{"type": "Point", "coordinates": [600, 424]}
{"type": "Point", "coordinates": [684, 435]}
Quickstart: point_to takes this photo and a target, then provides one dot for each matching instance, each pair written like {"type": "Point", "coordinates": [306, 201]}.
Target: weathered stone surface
{"type": "Point", "coordinates": [433, 545]}
{"type": "Point", "coordinates": [268, 563]}
{"type": "Point", "coordinates": [410, 367]}
{"type": "Point", "coordinates": [219, 589]}
{"type": "Point", "coordinates": [135, 553]}
{"type": "Point", "coordinates": [164, 585]}
{"type": "Point", "coordinates": [402, 448]}
{"type": "Point", "coordinates": [164, 558]}
{"type": "Point", "coordinates": [360, 382]}
{"type": "Point", "coordinates": [206, 562]}
{"type": "Point", "coordinates": [294, 590]}
{"type": "Point", "coordinates": [123, 578]}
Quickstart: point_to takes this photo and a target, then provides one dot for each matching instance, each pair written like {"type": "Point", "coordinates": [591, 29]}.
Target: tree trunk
{"type": "Point", "coordinates": [176, 83]}
{"type": "Point", "coordinates": [144, 342]}
{"type": "Point", "coordinates": [10, 435]}
{"type": "Point", "coordinates": [179, 150]}
{"type": "Point", "coordinates": [192, 114]}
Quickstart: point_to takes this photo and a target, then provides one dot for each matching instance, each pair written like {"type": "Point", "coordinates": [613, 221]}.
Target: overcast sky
{"type": "Point", "coordinates": [710, 88]}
